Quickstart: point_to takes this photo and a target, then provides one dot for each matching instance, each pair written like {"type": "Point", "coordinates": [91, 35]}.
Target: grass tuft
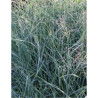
{"type": "Point", "coordinates": [49, 49]}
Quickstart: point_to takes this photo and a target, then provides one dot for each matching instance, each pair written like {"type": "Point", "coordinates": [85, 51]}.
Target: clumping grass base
{"type": "Point", "coordinates": [49, 49]}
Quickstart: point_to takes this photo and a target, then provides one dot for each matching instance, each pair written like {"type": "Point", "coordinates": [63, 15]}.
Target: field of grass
{"type": "Point", "coordinates": [49, 49]}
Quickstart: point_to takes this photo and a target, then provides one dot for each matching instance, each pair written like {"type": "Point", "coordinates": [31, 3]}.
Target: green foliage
{"type": "Point", "coordinates": [49, 49]}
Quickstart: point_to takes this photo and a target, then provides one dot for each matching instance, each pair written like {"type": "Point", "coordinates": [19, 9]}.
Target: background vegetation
{"type": "Point", "coordinates": [49, 49]}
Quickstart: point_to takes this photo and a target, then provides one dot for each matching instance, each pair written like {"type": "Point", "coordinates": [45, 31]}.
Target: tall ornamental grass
{"type": "Point", "coordinates": [49, 49]}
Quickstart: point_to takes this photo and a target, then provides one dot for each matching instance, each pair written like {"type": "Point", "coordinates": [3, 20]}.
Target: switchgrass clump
{"type": "Point", "coordinates": [49, 49]}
